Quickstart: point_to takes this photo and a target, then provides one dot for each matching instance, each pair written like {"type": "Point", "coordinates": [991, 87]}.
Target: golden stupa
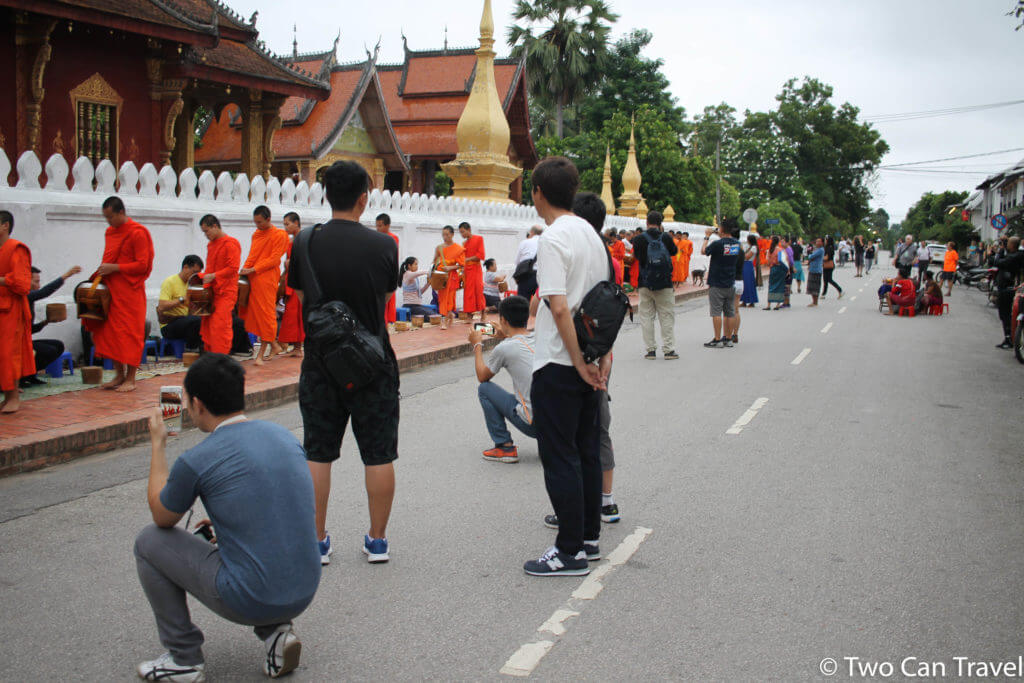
{"type": "Point", "coordinates": [606, 184]}
{"type": "Point", "coordinates": [481, 169]}
{"type": "Point", "coordinates": [631, 198]}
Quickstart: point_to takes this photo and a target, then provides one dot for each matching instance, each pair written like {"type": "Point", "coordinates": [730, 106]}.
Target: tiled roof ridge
{"type": "Point", "coordinates": [357, 95]}
{"type": "Point", "coordinates": [232, 15]}
{"type": "Point", "coordinates": [260, 48]}
{"type": "Point", "coordinates": [172, 8]}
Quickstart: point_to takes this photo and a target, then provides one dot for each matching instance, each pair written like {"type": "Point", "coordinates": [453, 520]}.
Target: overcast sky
{"type": "Point", "coordinates": [882, 56]}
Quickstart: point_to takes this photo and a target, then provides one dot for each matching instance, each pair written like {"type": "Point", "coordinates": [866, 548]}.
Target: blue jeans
{"type": "Point", "coordinates": [499, 405]}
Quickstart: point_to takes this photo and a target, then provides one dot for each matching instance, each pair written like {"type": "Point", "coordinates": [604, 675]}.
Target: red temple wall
{"type": "Point", "coordinates": [8, 104]}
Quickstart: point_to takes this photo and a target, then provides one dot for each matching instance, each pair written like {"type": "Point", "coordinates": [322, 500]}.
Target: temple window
{"type": "Point", "coordinates": [98, 109]}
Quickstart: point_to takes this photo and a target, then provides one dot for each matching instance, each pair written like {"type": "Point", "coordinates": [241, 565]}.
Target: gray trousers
{"type": "Point", "coordinates": [660, 302]}
{"type": "Point", "coordinates": [604, 415]}
{"type": "Point", "coordinates": [173, 562]}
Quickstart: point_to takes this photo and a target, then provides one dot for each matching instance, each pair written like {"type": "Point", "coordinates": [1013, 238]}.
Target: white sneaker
{"type": "Point", "coordinates": [164, 668]}
{"type": "Point", "coordinates": [283, 650]}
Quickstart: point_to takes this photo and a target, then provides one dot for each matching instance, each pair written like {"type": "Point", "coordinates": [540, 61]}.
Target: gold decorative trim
{"type": "Point", "coordinates": [172, 116]}
{"type": "Point", "coordinates": [96, 90]}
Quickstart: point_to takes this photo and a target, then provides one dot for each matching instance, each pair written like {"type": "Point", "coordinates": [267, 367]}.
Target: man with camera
{"type": "Point", "coordinates": [515, 354]}
{"type": "Point", "coordinates": [254, 485]}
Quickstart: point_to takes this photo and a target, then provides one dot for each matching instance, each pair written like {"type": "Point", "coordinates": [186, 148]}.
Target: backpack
{"type": "Point", "coordinates": [600, 316]}
{"type": "Point", "coordinates": [352, 355]}
{"type": "Point", "coordinates": [658, 272]}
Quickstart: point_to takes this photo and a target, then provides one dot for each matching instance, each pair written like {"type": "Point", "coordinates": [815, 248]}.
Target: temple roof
{"type": "Point", "coordinates": [223, 48]}
{"type": "Point", "coordinates": [311, 129]}
{"type": "Point", "coordinates": [427, 93]}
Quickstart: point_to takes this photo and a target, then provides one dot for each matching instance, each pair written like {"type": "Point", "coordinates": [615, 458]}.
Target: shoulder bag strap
{"type": "Point", "coordinates": [312, 291]}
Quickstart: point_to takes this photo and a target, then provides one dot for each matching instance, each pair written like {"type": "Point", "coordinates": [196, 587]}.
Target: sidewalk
{"type": "Point", "coordinates": [54, 429]}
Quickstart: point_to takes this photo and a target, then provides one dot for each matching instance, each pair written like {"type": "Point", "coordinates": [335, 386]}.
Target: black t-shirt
{"type": "Point", "coordinates": [1010, 265]}
{"type": "Point", "coordinates": [640, 245]}
{"type": "Point", "coordinates": [724, 254]}
{"type": "Point", "coordinates": [353, 264]}
{"type": "Point", "coordinates": [798, 252]}
{"type": "Point", "coordinates": [830, 255]}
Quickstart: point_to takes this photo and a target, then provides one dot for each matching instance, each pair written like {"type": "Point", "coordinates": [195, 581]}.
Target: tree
{"type": "Point", "coordinates": [937, 217]}
{"type": "Point", "coordinates": [789, 221]}
{"type": "Point", "coordinates": [629, 81]}
{"type": "Point", "coordinates": [566, 54]}
{"type": "Point", "coordinates": [716, 124]}
{"type": "Point", "coordinates": [1017, 12]}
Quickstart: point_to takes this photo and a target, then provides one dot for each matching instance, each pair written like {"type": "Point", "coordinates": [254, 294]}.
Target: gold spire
{"type": "Point", "coordinates": [631, 179]}
{"type": "Point", "coordinates": [641, 208]}
{"type": "Point", "coordinates": [482, 170]}
{"type": "Point", "coordinates": [606, 184]}
{"type": "Point", "coordinates": [669, 213]}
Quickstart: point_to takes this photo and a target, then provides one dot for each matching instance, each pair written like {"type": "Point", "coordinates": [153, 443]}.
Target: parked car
{"type": "Point", "coordinates": [938, 253]}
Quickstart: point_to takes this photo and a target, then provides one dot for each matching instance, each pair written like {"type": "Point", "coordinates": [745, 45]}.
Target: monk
{"type": "Point", "coordinates": [685, 252]}
{"type": "Point", "coordinates": [473, 293]}
{"type": "Point", "coordinates": [449, 257]}
{"type": "Point", "coordinates": [127, 262]}
{"type": "Point", "coordinates": [223, 257]}
{"type": "Point", "coordinates": [618, 252]}
{"type": "Point", "coordinates": [384, 226]}
{"type": "Point", "coordinates": [291, 330]}
{"type": "Point", "coordinates": [634, 267]}
{"type": "Point", "coordinates": [16, 357]}
{"type": "Point", "coordinates": [263, 267]}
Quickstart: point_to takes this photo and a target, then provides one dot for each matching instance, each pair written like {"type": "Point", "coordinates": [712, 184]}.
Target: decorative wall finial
{"type": "Point", "coordinates": [295, 40]}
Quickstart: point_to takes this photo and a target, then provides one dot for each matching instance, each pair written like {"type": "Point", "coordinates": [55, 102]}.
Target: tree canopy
{"type": "Point", "coordinates": [936, 216]}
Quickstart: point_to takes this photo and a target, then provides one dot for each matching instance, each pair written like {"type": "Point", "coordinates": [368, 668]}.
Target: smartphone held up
{"type": "Point", "coordinates": [485, 328]}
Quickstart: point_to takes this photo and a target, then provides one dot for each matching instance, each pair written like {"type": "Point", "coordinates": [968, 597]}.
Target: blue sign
{"type": "Point", "coordinates": [998, 221]}
{"type": "Point", "coordinates": [771, 221]}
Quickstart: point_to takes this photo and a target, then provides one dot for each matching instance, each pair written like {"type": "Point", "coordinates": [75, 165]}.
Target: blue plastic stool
{"type": "Point", "coordinates": [56, 368]}
{"type": "Point", "coordinates": [402, 313]}
{"type": "Point", "coordinates": [107, 363]}
{"type": "Point", "coordinates": [149, 345]}
{"type": "Point", "coordinates": [177, 347]}
{"type": "Point", "coordinates": [432, 307]}
{"type": "Point", "coordinates": [252, 338]}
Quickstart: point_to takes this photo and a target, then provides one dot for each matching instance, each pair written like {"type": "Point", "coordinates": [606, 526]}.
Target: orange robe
{"type": "Point", "coordinates": [16, 357]}
{"type": "Point", "coordinates": [618, 252]}
{"type": "Point", "coordinates": [685, 252]}
{"type": "Point", "coordinates": [223, 257]}
{"type": "Point", "coordinates": [677, 262]}
{"type": "Point", "coordinates": [473, 294]}
{"type": "Point", "coordinates": [122, 335]}
{"type": "Point", "coordinates": [634, 267]}
{"type": "Point", "coordinates": [390, 315]}
{"type": "Point", "coordinates": [265, 252]}
{"type": "Point", "coordinates": [453, 254]}
{"type": "Point", "coordinates": [292, 330]}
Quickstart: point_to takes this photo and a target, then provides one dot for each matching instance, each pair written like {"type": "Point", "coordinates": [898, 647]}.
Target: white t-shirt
{"type": "Point", "coordinates": [527, 250]}
{"type": "Point", "coordinates": [571, 259]}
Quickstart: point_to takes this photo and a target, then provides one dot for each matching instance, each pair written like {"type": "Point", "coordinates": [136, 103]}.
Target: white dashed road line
{"type": "Point", "coordinates": [842, 310]}
{"type": "Point", "coordinates": [526, 658]}
{"type": "Point", "coordinates": [800, 357]}
{"type": "Point", "coordinates": [853, 298]}
{"type": "Point", "coordinates": [825, 329]}
{"type": "Point", "coordinates": [746, 417]}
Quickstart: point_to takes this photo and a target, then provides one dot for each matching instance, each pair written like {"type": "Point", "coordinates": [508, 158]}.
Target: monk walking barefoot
{"type": "Point", "coordinates": [263, 266]}
{"type": "Point", "coordinates": [16, 357]}
{"type": "Point", "coordinates": [127, 262]}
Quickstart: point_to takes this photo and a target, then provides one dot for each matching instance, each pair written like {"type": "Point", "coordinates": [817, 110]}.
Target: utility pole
{"type": "Point", "coordinates": [718, 182]}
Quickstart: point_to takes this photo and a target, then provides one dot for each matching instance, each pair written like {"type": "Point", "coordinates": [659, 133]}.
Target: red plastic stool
{"type": "Point", "coordinates": [907, 310]}
{"type": "Point", "coordinates": [937, 309]}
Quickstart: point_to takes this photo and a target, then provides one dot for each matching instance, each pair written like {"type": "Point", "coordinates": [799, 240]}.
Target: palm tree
{"type": "Point", "coordinates": [564, 56]}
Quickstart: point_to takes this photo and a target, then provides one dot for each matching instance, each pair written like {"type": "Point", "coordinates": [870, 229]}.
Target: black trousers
{"type": "Point", "coordinates": [240, 338]}
{"type": "Point", "coordinates": [827, 279]}
{"type": "Point", "coordinates": [47, 351]}
{"type": "Point", "coordinates": [419, 309]}
{"type": "Point", "coordinates": [187, 328]}
{"type": "Point", "coordinates": [565, 415]}
{"type": "Point", "coordinates": [527, 285]}
{"type": "Point", "coordinates": [1004, 302]}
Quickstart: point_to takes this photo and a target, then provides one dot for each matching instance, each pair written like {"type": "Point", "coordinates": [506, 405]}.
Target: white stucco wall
{"type": "Point", "coordinates": [57, 214]}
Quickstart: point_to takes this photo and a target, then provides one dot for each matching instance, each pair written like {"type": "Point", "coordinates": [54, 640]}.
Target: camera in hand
{"type": "Point", "coordinates": [485, 328]}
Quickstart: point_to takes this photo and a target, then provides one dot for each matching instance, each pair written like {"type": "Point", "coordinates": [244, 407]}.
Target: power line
{"type": "Point", "coordinates": [966, 156]}
{"type": "Point", "coordinates": [915, 115]}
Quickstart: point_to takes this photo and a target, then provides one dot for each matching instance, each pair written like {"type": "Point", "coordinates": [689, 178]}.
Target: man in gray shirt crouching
{"type": "Point", "coordinates": [256, 488]}
{"type": "Point", "coordinates": [515, 354]}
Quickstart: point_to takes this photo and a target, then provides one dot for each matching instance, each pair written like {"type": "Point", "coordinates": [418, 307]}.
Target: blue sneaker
{"type": "Point", "coordinates": [376, 549]}
{"type": "Point", "coordinates": [325, 550]}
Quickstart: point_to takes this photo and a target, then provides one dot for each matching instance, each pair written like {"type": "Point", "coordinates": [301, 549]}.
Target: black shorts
{"type": "Point", "coordinates": [947, 275]}
{"type": "Point", "coordinates": [326, 410]}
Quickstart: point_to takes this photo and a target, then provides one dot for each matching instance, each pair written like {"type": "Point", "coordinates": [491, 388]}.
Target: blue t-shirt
{"type": "Point", "coordinates": [724, 254]}
{"type": "Point", "coordinates": [815, 259]}
{"type": "Point", "coordinates": [254, 482]}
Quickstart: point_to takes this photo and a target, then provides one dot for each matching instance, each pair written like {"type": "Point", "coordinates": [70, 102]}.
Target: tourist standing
{"type": "Point", "coordinates": [924, 259]}
{"type": "Point", "coordinates": [16, 357]}
{"type": "Point", "coordinates": [815, 268]}
{"type": "Point", "coordinates": [749, 298]}
{"type": "Point", "coordinates": [777, 271]}
{"type": "Point", "coordinates": [906, 253]}
{"type": "Point", "coordinates": [858, 255]}
{"type": "Point", "coordinates": [869, 257]}
{"type": "Point", "coordinates": [949, 264]}
{"type": "Point", "coordinates": [359, 268]}
{"type": "Point", "coordinates": [524, 268]}
{"type": "Point", "coordinates": [828, 267]}
{"type": "Point", "coordinates": [1009, 263]}
{"type": "Point", "coordinates": [565, 391]}
{"type": "Point", "coordinates": [798, 268]}
{"type": "Point", "coordinates": [263, 268]}
{"type": "Point", "coordinates": [721, 279]}
{"type": "Point", "coordinates": [127, 262]}
{"type": "Point", "coordinates": [654, 251]}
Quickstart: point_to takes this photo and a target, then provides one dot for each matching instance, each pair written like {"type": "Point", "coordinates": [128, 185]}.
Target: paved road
{"type": "Point", "coordinates": [872, 508]}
